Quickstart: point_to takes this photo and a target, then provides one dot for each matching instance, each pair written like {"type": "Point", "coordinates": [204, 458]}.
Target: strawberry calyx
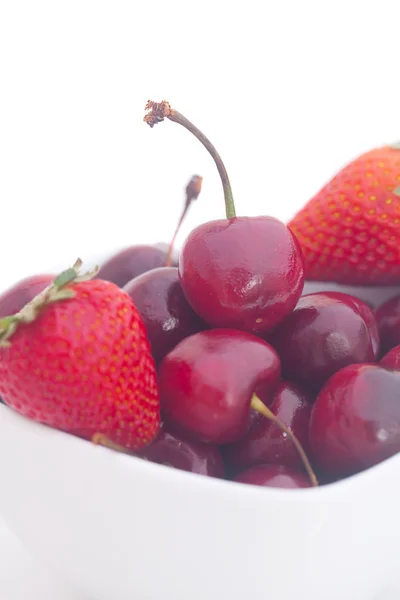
{"type": "Point", "coordinates": [395, 146]}
{"type": "Point", "coordinates": [55, 292]}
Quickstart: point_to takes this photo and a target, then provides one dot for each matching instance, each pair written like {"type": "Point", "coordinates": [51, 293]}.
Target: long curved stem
{"type": "Point", "coordinates": [158, 111]}
{"type": "Point", "coordinates": [260, 407]}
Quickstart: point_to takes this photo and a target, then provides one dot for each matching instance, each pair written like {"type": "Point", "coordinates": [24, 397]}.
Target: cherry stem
{"type": "Point", "coordinates": [260, 407]}
{"type": "Point", "coordinates": [100, 439]}
{"type": "Point", "coordinates": [193, 190]}
{"type": "Point", "coordinates": [158, 111]}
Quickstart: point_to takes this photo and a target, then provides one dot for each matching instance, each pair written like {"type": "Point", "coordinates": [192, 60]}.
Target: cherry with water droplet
{"type": "Point", "coordinates": [265, 443]}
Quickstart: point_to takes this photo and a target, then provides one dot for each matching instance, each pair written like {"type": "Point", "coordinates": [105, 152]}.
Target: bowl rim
{"type": "Point", "coordinates": [167, 474]}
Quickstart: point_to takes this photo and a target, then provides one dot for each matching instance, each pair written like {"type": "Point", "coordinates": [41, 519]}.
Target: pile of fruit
{"type": "Point", "coordinates": [218, 364]}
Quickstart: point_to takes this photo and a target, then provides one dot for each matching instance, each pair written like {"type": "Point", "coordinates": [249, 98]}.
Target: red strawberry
{"type": "Point", "coordinates": [350, 231]}
{"type": "Point", "coordinates": [77, 358]}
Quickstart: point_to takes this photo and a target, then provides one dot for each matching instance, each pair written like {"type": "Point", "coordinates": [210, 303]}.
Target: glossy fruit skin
{"type": "Point", "coordinates": [84, 366]}
{"type": "Point", "coordinates": [131, 262]}
{"type": "Point", "coordinates": [355, 421]}
{"type": "Point", "coordinates": [206, 383]}
{"type": "Point", "coordinates": [244, 273]}
{"type": "Point", "coordinates": [265, 443]}
{"type": "Point", "coordinates": [323, 334]}
{"type": "Point", "coordinates": [15, 298]}
{"type": "Point", "coordinates": [367, 313]}
{"type": "Point", "coordinates": [391, 360]}
{"type": "Point", "coordinates": [176, 450]}
{"type": "Point", "coordinates": [349, 231]}
{"type": "Point", "coordinates": [273, 476]}
{"type": "Point", "coordinates": [166, 314]}
{"type": "Point", "coordinates": [388, 319]}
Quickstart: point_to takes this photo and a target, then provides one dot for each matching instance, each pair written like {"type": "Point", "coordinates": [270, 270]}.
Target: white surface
{"type": "Point", "coordinates": [21, 578]}
{"type": "Point", "coordinates": [119, 527]}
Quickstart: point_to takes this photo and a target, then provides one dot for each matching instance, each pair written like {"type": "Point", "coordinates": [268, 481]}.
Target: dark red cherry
{"type": "Point", "coordinates": [355, 421]}
{"type": "Point", "coordinates": [265, 443]}
{"type": "Point", "coordinates": [210, 382]}
{"type": "Point", "coordinates": [325, 332]}
{"type": "Point", "coordinates": [273, 476]}
{"type": "Point", "coordinates": [167, 315]}
{"type": "Point", "coordinates": [17, 296]}
{"type": "Point", "coordinates": [391, 360]}
{"type": "Point", "coordinates": [244, 273]}
{"type": "Point", "coordinates": [388, 319]}
{"type": "Point", "coordinates": [176, 450]}
{"type": "Point", "coordinates": [131, 262]}
{"type": "Point", "coordinates": [367, 313]}
{"type": "Point", "coordinates": [207, 382]}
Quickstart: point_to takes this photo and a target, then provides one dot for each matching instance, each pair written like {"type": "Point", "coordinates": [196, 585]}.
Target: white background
{"type": "Point", "coordinates": [287, 90]}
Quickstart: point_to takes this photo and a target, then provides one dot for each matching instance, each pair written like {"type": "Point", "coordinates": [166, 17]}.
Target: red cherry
{"type": "Point", "coordinates": [207, 381]}
{"type": "Point", "coordinates": [273, 476]}
{"type": "Point", "coordinates": [175, 450]}
{"type": "Point", "coordinates": [131, 262]}
{"type": "Point", "coordinates": [245, 273]}
{"type": "Point", "coordinates": [325, 332]}
{"type": "Point", "coordinates": [391, 360]}
{"type": "Point", "coordinates": [17, 296]}
{"type": "Point", "coordinates": [167, 315]}
{"type": "Point", "coordinates": [388, 319]}
{"type": "Point", "coordinates": [367, 313]}
{"type": "Point", "coordinates": [355, 421]}
{"type": "Point", "coordinates": [210, 381]}
{"type": "Point", "coordinates": [265, 443]}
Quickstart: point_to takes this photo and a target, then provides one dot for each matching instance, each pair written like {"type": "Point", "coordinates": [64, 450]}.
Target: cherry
{"type": "Point", "coordinates": [135, 260]}
{"type": "Point", "coordinates": [325, 332]}
{"type": "Point", "coordinates": [273, 476]}
{"type": "Point", "coordinates": [17, 296]}
{"type": "Point", "coordinates": [210, 381]}
{"type": "Point", "coordinates": [131, 262]}
{"type": "Point", "coordinates": [388, 319]}
{"type": "Point", "coordinates": [391, 360]}
{"type": "Point", "coordinates": [367, 313]}
{"type": "Point", "coordinates": [265, 443]}
{"type": "Point", "coordinates": [355, 421]}
{"type": "Point", "coordinates": [175, 450]}
{"type": "Point", "coordinates": [245, 273]}
{"type": "Point", "coordinates": [167, 315]}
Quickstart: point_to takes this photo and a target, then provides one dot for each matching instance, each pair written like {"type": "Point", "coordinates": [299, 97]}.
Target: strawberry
{"type": "Point", "coordinates": [350, 231]}
{"type": "Point", "coordinates": [77, 358]}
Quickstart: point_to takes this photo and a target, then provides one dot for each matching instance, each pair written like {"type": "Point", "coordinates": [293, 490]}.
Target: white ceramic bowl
{"type": "Point", "coordinates": [115, 527]}
{"type": "Point", "coordinates": [119, 528]}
